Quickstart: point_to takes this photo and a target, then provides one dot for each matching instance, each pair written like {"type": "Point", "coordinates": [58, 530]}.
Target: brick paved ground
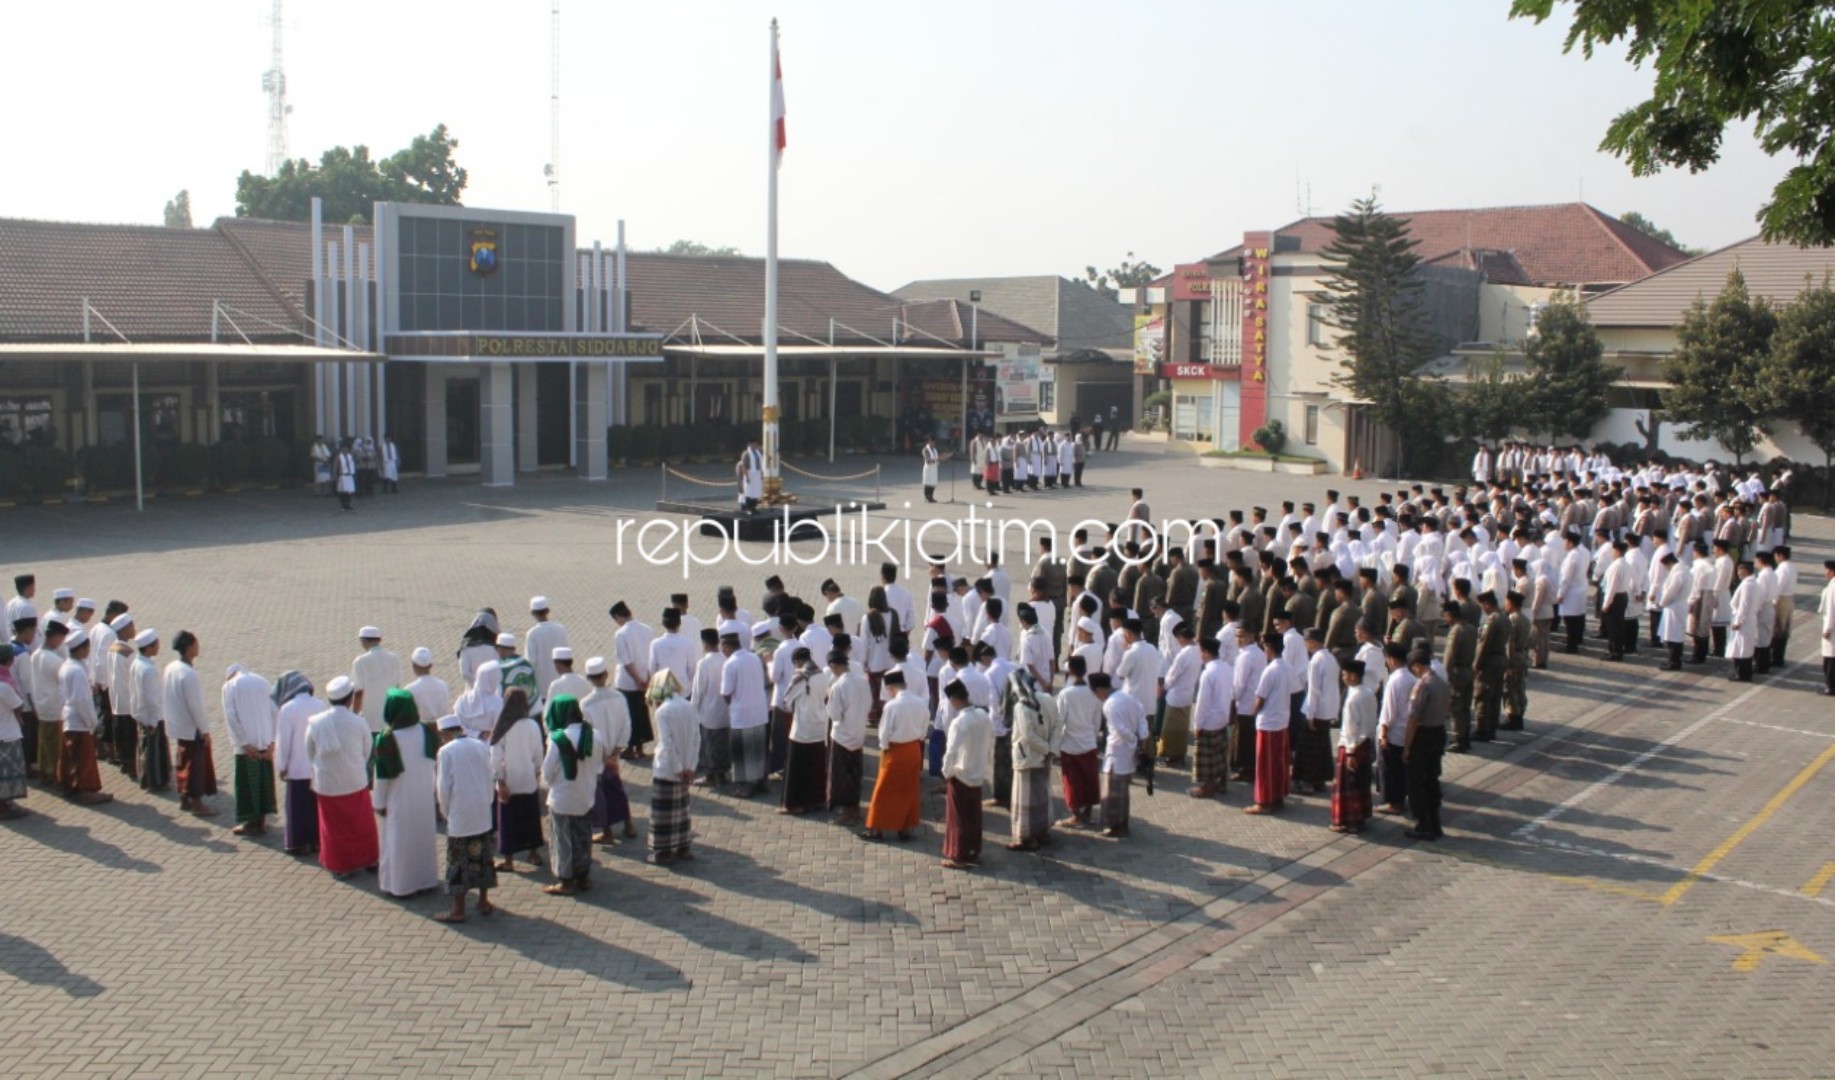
{"type": "Point", "coordinates": [1563, 929]}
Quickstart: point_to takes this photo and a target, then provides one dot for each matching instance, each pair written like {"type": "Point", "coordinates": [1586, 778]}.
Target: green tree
{"type": "Point", "coordinates": [696, 248]}
{"type": "Point", "coordinates": [1770, 63]}
{"type": "Point", "coordinates": [1490, 404]}
{"type": "Point", "coordinates": [350, 182]}
{"type": "Point", "coordinates": [178, 211]}
{"type": "Point", "coordinates": [1654, 231]}
{"type": "Point", "coordinates": [1799, 370]}
{"type": "Point", "coordinates": [1568, 380]}
{"type": "Point", "coordinates": [1129, 275]}
{"type": "Point", "coordinates": [1373, 297]}
{"type": "Point", "coordinates": [1715, 376]}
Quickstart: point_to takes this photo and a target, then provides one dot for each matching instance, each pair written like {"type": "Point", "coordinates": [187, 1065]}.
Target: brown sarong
{"type": "Point", "coordinates": [962, 823]}
{"type": "Point", "coordinates": [197, 770]}
{"type": "Point", "coordinates": [78, 763]}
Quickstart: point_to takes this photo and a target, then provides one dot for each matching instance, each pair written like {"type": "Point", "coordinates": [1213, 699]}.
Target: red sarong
{"type": "Point", "coordinates": [895, 805]}
{"type": "Point", "coordinates": [1351, 786]}
{"type": "Point", "coordinates": [1082, 779]}
{"type": "Point", "coordinates": [347, 833]}
{"type": "Point", "coordinates": [197, 771]}
{"type": "Point", "coordinates": [1271, 770]}
{"type": "Point", "coordinates": [78, 764]}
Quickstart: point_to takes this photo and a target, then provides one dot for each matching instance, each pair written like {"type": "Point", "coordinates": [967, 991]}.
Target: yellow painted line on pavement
{"type": "Point", "coordinates": [1814, 886]}
{"type": "Point", "coordinates": [1755, 948]}
{"type": "Point", "coordinates": [1752, 825]}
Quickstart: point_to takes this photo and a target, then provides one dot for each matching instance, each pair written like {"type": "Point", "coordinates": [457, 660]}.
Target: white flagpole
{"type": "Point", "coordinates": [773, 481]}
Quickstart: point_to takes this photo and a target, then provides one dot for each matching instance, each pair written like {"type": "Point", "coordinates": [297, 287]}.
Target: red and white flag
{"type": "Point", "coordinates": [777, 96]}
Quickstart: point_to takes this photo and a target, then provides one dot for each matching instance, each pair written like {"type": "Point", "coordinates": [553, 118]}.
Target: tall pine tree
{"type": "Point", "coordinates": [1374, 300]}
{"type": "Point", "coordinates": [1715, 375]}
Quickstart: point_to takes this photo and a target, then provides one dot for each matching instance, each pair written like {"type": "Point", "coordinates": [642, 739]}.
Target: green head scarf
{"type": "Point", "coordinates": [563, 711]}
{"type": "Point", "coordinates": [399, 711]}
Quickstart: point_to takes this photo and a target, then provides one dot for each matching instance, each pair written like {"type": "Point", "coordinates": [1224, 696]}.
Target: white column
{"type": "Point", "coordinates": [590, 421]}
{"type": "Point", "coordinates": [497, 431]}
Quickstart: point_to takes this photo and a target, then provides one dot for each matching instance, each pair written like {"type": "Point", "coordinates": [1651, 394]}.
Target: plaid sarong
{"type": "Point", "coordinates": [12, 769]}
{"type": "Point", "coordinates": [1211, 759]}
{"type": "Point", "coordinates": [669, 822]}
{"type": "Point", "coordinates": [1115, 799]}
{"type": "Point", "coordinates": [716, 757]}
{"type": "Point", "coordinates": [749, 757]}
{"type": "Point", "coordinates": [1351, 790]}
{"type": "Point", "coordinates": [468, 863]}
{"type": "Point", "coordinates": [1031, 803]}
{"type": "Point", "coordinates": [254, 780]}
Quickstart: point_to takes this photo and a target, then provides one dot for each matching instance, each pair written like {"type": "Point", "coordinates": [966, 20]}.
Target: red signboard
{"type": "Point", "coordinates": [1257, 250]}
{"type": "Point", "coordinates": [1198, 371]}
{"type": "Point", "coordinates": [1191, 281]}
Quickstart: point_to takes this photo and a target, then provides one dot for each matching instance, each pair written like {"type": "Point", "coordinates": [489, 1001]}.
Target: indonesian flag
{"type": "Point", "coordinates": [777, 96]}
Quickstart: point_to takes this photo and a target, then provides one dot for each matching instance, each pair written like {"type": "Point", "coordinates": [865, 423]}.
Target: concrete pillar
{"type": "Point", "coordinates": [436, 420]}
{"type": "Point", "coordinates": [589, 421]}
{"type": "Point", "coordinates": [497, 432]}
{"type": "Point", "coordinates": [525, 418]}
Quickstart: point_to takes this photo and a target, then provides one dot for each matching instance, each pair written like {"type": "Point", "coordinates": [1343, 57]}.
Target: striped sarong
{"type": "Point", "coordinates": [1211, 759]}
{"type": "Point", "coordinates": [1115, 801]}
{"type": "Point", "coordinates": [12, 770]}
{"type": "Point", "coordinates": [670, 828]}
{"type": "Point", "coordinates": [1175, 732]}
{"type": "Point", "coordinates": [1351, 790]}
{"type": "Point", "coordinates": [1031, 804]}
{"type": "Point", "coordinates": [1271, 768]}
{"type": "Point", "coordinates": [750, 764]}
{"type": "Point", "coordinates": [715, 760]}
{"type": "Point", "coordinates": [254, 781]}
{"type": "Point", "coordinates": [573, 846]}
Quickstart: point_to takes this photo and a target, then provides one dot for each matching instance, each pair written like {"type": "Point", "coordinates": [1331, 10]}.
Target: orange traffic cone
{"type": "Point", "coordinates": [1357, 471]}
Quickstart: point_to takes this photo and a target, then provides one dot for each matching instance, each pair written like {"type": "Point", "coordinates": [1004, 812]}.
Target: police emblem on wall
{"type": "Point", "coordinates": [483, 258]}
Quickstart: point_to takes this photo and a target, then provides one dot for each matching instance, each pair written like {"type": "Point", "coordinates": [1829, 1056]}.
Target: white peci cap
{"type": "Point", "coordinates": [506, 640]}
{"type": "Point", "coordinates": [563, 653]}
{"type": "Point", "coordinates": [340, 688]}
{"type": "Point", "coordinates": [370, 633]}
{"type": "Point", "coordinates": [146, 637]}
{"type": "Point", "coordinates": [539, 603]}
{"type": "Point", "coordinates": [595, 666]}
{"type": "Point", "coordinates": [422, 657]}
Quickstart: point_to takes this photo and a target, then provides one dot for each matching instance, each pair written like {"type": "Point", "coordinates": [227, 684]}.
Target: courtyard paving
{"type": "Point", "coordinates": [1638, 885]}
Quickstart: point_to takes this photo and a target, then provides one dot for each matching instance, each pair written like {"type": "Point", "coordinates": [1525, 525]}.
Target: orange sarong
{"type": "Point", "coordinates": [896, 791]}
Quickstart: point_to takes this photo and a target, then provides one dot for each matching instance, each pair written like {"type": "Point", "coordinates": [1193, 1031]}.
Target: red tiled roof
{"type": "Point", "coordinates": [153, 283]}
{"type": "Point", "coordinates": [1559, 244]}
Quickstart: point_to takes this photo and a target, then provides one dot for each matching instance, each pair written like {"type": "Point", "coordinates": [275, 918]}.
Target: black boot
{"type": "Point", "coordinates": [1675, 657]}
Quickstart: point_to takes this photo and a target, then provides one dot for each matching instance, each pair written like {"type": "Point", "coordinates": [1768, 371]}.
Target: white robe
{"type": "Point", "coordinates": [1743, 627]}
{"type": "Point", "coordinates": [410, 863]}
{"type": "Point", "coordinates": [930, 467]}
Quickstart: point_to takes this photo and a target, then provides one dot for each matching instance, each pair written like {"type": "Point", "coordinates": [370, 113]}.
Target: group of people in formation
{"type": "Point", "coordinates": [1343, 649]}
{"type": "Point", "coordinates": [358, 466]}
{"type": "Point", "coordinates": [1032, 459]}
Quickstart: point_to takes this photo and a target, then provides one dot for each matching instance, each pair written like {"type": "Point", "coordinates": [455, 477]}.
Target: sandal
{"type": "Point", "coordinates": [561, 889]}
{"type": "Point", "coordinates": [448, 917]}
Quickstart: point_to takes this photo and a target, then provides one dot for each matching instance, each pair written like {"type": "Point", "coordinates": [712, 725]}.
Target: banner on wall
{"type": "Point", "coordinates": [1017, 374]}
{"type": "Point", "coordinates": [1149, 343]}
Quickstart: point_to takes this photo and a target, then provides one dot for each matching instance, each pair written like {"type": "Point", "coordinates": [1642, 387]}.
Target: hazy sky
{"type": "Point", "coordinates": [933, 139]}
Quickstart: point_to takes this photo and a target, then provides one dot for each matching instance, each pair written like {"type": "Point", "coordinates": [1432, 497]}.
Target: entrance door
{"type": "Point", "coordinates": [463, 416]}
{"type": "Point", "coordinates": [551, 404]}
{"type": "Point", "coordinates": [848, 400]}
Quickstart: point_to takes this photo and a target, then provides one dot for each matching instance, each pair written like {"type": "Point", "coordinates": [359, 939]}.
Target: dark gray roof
{"type": "Point", "coordinates": [1777, 272]}
{"type": "Point", "coordinates": [1072, 315]}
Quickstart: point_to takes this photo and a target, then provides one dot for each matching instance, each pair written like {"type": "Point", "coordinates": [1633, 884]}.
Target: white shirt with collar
{"type": "Point", "coordinates": [465, 789]}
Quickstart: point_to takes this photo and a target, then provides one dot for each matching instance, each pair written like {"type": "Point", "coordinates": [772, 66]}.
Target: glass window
{"type": "Point", "coordinates": [26, 420]}
{"type": "Point", "coordinates": [1312, 425]}
{"type": "Point", "coordinates": [1318, 331]}
{"type": "Point", "coordinates": [1048, 396]}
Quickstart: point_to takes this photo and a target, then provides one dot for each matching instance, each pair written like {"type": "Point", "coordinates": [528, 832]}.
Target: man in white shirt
{"type": "Point", "coordinates": [1356, 752]}
{"type": "Point", "coordinates": [147, 705]}
{"type": "Point", "coordinates": [1273, 715]}
{"type": "Point", "coordinates": [1392, 727]}
{"type": "Point", "coordinates": [1615, 599]}
{"type": "Point", "coordinates": [81, 780]}
{"type": "Point", "coordinates": [898, 598]}
{"type": "Point", "coordinates": [1246, 679]}
{"type": "Point", "coordinates": [292, 765]}
{"type": "Point", "coordinates": [190, 727]}
{"type": "Point", "coordinates": [1181, 680]}
{"type": "Point", "coordinates": [466, 797]}
{"type": "Point", "coordinates": [1312, 762]}
{"type": "Point", "coordinates": [338, 745]}
{"type": "Point", "coordinates": [249, 717]}
{"type": "Point", "coordinates": [1034, 651]}
{"type": "Point", "coordinates": [374, 674]}
{"type": "Point", "coordinates": [1786, 603]}
{"type": "Point", "coordinates": [631, 657]}
{"type": "Point", "coordinates": [605, 709]}
{"type": "Point", "coordinates": [742, 684]}
{"type": "Point", "coordinates": [966, 751]}
{"type": "Point", "coordinates": [849, 701]}
{"type": "Point", "coordinates": [1126, 717]}
{"type": "Point", "coordinates": [431, 694]}
{"type": "Point", "coordinates": [715, 764]}
{"type": "Point", "coordinates": [539, 645]}
{"type": "Point", "coordinates": [850, 609]}
{"type": "Point", "coordinates": [46, 695]}
{"type": "Point", "coordinates": [1211, 712]}
{"type": "Point", "coordinates": [1079, 759]}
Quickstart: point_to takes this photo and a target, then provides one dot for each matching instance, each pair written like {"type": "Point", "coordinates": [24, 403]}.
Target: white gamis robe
{"type": "Point", "coordinates": [410, 861]}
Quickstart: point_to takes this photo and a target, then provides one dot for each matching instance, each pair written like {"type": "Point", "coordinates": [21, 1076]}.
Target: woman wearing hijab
{"type": "Point", "coordinates": [678, 739]}
{"type": "Point", "coordinates": [568, 771]}
{"type": "Point", "coordinates": [479, 707]}
{"type": "Point", "coordinates": [294, 698]}
{"type": "Point", "coordinates": [404, 797]}
{"type": "Point", "coordinates": [479, 645]}
{"type": "Point", "coordinates": [516, 765]}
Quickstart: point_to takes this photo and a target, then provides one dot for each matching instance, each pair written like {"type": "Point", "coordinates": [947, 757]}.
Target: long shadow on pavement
{"type": "Point", "coordinates": [80, 841]}
{"type": "Point", "coordinates": [561, 947]}
{"type": "Point", "coordinates": [32, 963]}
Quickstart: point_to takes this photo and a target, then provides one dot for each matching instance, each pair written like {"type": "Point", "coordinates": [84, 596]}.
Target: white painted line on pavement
{"type": "Point", "coordinates": [1683, 871]}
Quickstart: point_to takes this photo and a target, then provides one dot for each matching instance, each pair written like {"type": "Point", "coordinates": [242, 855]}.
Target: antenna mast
{"type": "Point", "coordinates": [274, 84]}
{"type": "Point", "coordinates": [553, 169]}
